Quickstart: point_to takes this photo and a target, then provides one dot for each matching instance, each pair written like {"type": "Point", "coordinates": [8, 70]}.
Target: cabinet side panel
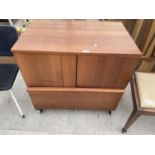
{"type": "Point", "coordinates": [47, 69]}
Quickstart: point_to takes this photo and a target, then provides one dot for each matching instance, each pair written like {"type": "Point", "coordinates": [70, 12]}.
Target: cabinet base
{"type": "Point", "coordinates": [74, 98]}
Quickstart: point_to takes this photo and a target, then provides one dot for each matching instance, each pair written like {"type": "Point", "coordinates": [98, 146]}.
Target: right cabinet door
{"type": "Point", "coordinates": [105, 71]}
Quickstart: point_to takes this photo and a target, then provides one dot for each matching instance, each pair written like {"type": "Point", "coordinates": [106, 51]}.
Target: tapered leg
{"type": "Point", "coordinates": [18, 107]}
{"type": "Point", "coordinates": [134, 115]}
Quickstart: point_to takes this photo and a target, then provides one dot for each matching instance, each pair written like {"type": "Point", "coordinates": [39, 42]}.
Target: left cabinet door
{"type": "Point", "coordinates": [42, 69]}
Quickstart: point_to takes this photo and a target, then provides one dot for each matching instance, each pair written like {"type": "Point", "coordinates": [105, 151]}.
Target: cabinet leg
{"type": "Point", "coordinates": [41, 110]}
{"type": "Point", "coordinates": [109, 112]}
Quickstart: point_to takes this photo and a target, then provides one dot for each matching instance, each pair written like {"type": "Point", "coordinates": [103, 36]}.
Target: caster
{"type": "Point", "coordinates": [109, 112]}
{"type": "Point", "coordinates": [124, 130]}
{"type": "Point", "coordinates": [23, 116]}
{"type": "Point", "coordinates": [41, 110]}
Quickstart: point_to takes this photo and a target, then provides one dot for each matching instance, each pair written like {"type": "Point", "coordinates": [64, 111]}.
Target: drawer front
{"type": "Point", "coordinates": [105, 71]}
{"type": "Point", "coordinates": [47, 69]}
{"type": "Point", "coordinates": [74, 98]}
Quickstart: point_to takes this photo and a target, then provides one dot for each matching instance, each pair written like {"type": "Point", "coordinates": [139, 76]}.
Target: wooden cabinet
{"type": "Point", "coordinates": [76, 64]}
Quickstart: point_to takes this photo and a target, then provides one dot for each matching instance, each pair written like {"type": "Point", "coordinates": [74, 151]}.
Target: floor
{"type": "Point", "coordinates": [67, 121]}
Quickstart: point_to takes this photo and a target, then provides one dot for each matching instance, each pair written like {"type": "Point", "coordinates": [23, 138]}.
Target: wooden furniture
{"type": "Point", "coordinates": [143, 95]}
{"type": "Point", "coordinates": [76, 64]}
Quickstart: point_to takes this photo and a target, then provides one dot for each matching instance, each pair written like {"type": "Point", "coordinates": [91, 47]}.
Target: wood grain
{"type": "Point", "coordinates": [67, 36]}
{"type": "Point", "coordinates": [70, 64]}
{"type": "Point", "coordinates": [48, 70]}
{"type": "Point", "coordinates": [75, 98]}
{"type": "Point", "coordinates": [105, 71]}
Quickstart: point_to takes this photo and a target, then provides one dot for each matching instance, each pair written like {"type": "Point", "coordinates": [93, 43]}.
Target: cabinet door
{"type": "Point", "coordinates": [47, 69]}
{"type": "Point", "coordinates": [105, 71]}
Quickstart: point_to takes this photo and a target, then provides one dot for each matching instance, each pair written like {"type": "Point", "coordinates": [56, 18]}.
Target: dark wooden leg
{"type": "Point", "coordinates": [134, 115]}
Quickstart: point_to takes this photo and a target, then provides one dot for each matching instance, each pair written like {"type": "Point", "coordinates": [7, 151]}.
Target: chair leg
{"type": "Point", "coordinates": [133, 116]}
{"type": "Point", "coordinates": [17, 105]}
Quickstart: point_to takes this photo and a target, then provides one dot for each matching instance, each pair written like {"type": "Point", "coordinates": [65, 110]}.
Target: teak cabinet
{"type": "Point", "coordinates": [76, 64]}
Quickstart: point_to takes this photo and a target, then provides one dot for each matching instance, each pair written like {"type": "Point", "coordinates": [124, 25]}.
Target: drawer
{"type": "Point", "coordinates": [75, 98]}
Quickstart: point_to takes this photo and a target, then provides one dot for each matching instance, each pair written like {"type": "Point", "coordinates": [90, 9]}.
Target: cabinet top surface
{"type": "Point", "coordinates": [73, 36]}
